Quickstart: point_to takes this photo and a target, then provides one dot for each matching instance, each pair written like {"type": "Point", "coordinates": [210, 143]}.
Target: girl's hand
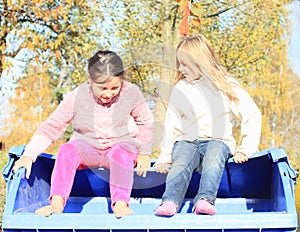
{"type": "Point", "coordinates": [25, 162]}
{"type": "Point", "coordinates": [240, 157]}
{"type": "Point", "coordinates": [162, 168]}
{"type": "Point", "coordinates": [143, 165]}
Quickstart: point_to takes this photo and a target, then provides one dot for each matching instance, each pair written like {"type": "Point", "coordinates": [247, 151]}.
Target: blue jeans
{"type": "Point", "coordinates": [189, 156]}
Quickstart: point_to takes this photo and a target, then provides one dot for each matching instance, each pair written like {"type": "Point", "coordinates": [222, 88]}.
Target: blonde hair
{"type": "Point", "coordinates": [204, 56]}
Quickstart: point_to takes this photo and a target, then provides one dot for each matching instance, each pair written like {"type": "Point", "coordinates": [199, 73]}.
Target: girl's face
{"type": "Point", "coordinates": [107, 91]}
{"type": "Point", "coordinates": [187, 65]}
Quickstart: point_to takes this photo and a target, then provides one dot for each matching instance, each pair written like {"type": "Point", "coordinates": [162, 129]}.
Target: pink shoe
{"type": "Point", "coordinates": [204, 207]}
{"type": "Point", "coordinates": [166, 209]}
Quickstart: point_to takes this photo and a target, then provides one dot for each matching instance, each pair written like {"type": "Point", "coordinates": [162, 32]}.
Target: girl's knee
{"type": "Point", "coordinates": [67, 151]}
{"type": "Point", "coordinates": [185, 152]}
{"type": "Point", "coordinates": [66, 148]}
{"type": "Point", "coordinates": [216, 154]}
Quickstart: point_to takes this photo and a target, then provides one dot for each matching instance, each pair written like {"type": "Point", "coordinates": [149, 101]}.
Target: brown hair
{"type": "Point", "coordinates": [105, 64]}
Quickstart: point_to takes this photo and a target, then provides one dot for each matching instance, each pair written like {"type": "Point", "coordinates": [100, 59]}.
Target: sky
{"type": "Point", "coordinates": [293, 55]}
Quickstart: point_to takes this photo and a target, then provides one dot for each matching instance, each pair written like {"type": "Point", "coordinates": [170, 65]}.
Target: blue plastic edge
{"type": "Point", "coordinates": [12, 190]}
{"type": "Point", "coordinates": [13, 154]}
{"type": "Point", "coordinates": [279, 155]}
{"type": "Point", "coordinates": [276, 155]}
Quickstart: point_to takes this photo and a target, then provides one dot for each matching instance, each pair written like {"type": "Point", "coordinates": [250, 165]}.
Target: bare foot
{"type": "Point", "coordinates": [57, 206]}
{"type": "Point", "coordinates": [121, 209]}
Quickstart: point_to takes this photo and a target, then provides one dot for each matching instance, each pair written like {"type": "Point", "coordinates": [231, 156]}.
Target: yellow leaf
{"type": "Point", "coordinates": [58, 54]}
{"type": "Point", "coordinates": [30, 46]}
{"type": "Point", "coordinates": [37, 40]}
{"type": "Point", "coordinates": [196, 23]}
{"type": "Point", "coordinates": [2, 49]}
{"type": "Point", "coordinates": [27, 32]}
{"type": "Point", "coordinates": [9, 3]}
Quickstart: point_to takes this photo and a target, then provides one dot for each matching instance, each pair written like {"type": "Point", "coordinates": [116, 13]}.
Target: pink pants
{"type": "Point", "coordinates": [79, 154]}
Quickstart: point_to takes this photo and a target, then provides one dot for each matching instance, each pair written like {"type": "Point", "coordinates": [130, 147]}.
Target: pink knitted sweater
{"type": "Point", "coordinates": [126, 119]}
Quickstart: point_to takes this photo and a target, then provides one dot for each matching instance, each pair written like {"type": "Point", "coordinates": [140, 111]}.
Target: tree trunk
{"type": "Point", "coordinates": [167, 73]}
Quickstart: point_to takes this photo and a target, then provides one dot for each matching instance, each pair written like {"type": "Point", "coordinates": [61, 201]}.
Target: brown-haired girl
{"type": "Point", "coordinates": [112, 128]}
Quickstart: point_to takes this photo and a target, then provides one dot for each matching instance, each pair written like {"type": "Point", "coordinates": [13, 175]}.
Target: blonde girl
{"type": "Point", "coordinates": [198, 128]}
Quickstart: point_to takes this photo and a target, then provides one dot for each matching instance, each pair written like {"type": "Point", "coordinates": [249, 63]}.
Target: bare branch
{"type": "Point", "coordinates": [218, 13]}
